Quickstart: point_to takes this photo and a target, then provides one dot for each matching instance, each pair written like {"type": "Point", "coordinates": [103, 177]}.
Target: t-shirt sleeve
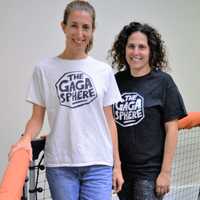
{"type": "Point", "coordinates": [112, 94]}
{"type": "Point", "coordinates": [174, 107]}
{"type": "Point", "coordinates": [35, 93]}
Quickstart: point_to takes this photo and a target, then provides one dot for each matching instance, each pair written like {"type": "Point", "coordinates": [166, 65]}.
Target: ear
{"type": "Point", "coordinates": [93, 30]}
{"type": "Point", "coordinates": [63, 26]}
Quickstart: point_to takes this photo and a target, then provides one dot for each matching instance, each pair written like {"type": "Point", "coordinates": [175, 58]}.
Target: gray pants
{"type": "Point", "coordinates": [138, 190]}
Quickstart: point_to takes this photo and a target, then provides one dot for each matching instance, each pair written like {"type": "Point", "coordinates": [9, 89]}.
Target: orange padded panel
{"type": "Point", "coordinates": [14, 176]}
{"type": "Point", "coordinates": [190, 121]}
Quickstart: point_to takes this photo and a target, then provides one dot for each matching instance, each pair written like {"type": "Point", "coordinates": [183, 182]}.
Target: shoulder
{"type": "Point", "coordinates": [98, 62]}
{"type": "Point", "coordinates": [41, 65]}
{"type": "Point", "coordinates": [164, 77]}
{"type": "Point", "coordinates": [100, 66]}
{"type": "Point", "coordinates": [46, 66]}
{"type": "Point", "coordinates": [122, 75]}
{"type": "Point", "coordinates": [45, 63]}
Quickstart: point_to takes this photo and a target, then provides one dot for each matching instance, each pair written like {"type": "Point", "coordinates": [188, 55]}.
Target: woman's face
{"type": "Point", "coordinates": [78, 31]}
{"type": "Point", "coordinates": [138, 53]}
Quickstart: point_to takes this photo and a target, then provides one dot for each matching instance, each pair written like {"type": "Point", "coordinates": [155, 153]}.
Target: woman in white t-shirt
{"type": "Point", "coordinates": [76, 91]}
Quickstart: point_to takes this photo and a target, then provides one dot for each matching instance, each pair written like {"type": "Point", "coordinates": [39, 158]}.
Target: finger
{"type": "Point", "coordinates": [168, 189]}
{"type": "Point", "coordinates": [165, 189]}
{"type": "Point", "coordinates": [12, 150]}
{"type": "Point", "coordinates": [158, 191]}
{"type": "Point", "coordinates": [162, 190]}
{"type": "Point", "coordinates": [114, 184]}
{"type": "Point", "coordinates": [118, 188]}
{"type": "Point", "coordinates": [119, 185]}
{"type": "Point", "coordinates": [30, 151]}
{"type": "Point", "coordinates": [12, 146]}
{"type": "Point", "coordinates": [31, 154]}
{"type": "Point", "coordinates": [9, 155]}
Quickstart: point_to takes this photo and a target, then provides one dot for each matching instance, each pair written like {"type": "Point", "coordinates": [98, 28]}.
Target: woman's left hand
{"type": "Point", "coordinates": [117, 179]}
{"type": "Point", "coordinates": [163, 183]}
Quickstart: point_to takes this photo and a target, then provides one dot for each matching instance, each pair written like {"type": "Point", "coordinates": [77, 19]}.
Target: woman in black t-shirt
{"type": "Point", "coordinates": [147, 116]}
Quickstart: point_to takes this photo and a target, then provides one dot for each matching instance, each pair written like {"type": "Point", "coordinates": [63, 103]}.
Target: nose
{"type": "Point", "coordinates": [79, 32]}
{"type": "Point", "coordinates": [136, 50]}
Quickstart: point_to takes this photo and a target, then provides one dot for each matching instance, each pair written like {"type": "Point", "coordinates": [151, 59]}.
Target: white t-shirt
{"type": "Point", "coordinates": [74, 93]}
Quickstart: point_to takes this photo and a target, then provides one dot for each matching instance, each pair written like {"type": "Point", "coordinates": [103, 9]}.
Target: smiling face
{"type": "Point", "coordinates": [137, 54]}
{"type": "Point", "coordinates": [79, 32]}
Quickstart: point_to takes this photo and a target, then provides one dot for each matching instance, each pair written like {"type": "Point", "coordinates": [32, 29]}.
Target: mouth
{"type": "Point", "coordinates": [135, 59]}
{"type": "Point", "coordinates": [78, 42]}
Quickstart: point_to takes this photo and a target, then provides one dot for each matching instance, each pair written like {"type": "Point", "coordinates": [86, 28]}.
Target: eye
{"type": "Point", "coordinates": [142, 46]}
{"type": "Point", "coordinates": [131, 46]}
{"type": "Point", "coordinates": [86, 27]}
{"type": "Point", "coordinates": [73, 25]}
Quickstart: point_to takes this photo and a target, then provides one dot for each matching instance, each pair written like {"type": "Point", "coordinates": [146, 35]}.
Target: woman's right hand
{"type": "Point", "coordinates": [23, 143]}
{"type": "Point", "coordinates": [32, 129]}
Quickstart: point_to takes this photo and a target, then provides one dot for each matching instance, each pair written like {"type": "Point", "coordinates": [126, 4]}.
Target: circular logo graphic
{"type": "Point", "coordinates": [130, 111]}
{"type": "Point", "coordinates": [75, 89]}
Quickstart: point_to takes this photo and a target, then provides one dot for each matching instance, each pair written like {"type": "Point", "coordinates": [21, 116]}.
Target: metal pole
{"type": "Point", "coordinates": [32, 192]}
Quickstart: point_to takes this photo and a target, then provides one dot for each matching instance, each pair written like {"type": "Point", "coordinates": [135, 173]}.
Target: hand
{"type": "Point", "coordinates": [163, 183]}
{"type": "Point", "coordinates": [24, 143]}
{"type": "Point", "coordinates": [117, 179]}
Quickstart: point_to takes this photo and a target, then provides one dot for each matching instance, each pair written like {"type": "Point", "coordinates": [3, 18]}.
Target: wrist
{"type": "Point", "coordinates": [117, 165]}
{"type": "Point", "coordinates": [26, 137]}
{"type": "Point", "coordinates": [164, 171]}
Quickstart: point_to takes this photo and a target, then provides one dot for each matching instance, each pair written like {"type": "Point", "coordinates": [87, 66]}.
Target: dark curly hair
{"type": "Point", "coordinates": [156, 44]}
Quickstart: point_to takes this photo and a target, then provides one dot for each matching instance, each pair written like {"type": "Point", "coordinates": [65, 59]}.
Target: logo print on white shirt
{"type": "Point", "coordinates": [75, 89]}
{"type": "Point", "coordinates": [130, 111]}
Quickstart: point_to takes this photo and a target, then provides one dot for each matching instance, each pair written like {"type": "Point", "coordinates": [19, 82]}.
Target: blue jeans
{"type": "Point", "coordinates": [138, 189]}
{"type": "Point", "coordinates": [80, 183]}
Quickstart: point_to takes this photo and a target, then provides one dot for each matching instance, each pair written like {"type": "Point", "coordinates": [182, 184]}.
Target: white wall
{"type": "Point", "coordinates": [30, 31]}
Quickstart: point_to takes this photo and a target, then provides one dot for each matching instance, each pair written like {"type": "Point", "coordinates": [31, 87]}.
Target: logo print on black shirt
{"type": "Point", "coordinates": [130, 111]}
{"type": "Point", "coordinates": [75, 89]}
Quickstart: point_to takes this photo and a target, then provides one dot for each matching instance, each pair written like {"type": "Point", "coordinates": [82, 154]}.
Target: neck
{"type": "Point", "coordinates": [68, 54]}
{"type": "Point", "coordinates": [140, 72]}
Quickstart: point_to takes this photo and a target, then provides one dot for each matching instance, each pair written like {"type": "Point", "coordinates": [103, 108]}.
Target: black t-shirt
{"type": "Point", "coordinates": [148, 102]}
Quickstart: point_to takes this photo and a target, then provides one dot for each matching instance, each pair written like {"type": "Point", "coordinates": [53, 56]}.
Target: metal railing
{"type": "Point", "coordinates": [185, 181]}
{"type": "Point", "coordinates": [185, 170]}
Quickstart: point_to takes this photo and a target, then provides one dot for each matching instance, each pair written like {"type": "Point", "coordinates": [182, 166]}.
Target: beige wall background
{"type": "Point", "coordinates": [30, 31]}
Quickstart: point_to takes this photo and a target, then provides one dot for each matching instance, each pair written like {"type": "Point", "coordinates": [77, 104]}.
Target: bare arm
{"type": "Point", "coordinates": [35, 123]}
{"type": "Point", "coordinates": [163, 180]}
{"type": "Point", "coordinates": [117, 175]}
{"type": "Point", "coordinates": [32, 129]}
